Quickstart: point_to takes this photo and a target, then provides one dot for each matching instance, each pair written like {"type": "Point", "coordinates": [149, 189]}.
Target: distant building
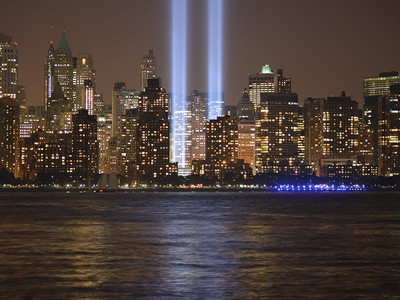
{"type": "Point", "coordinates": [267, 81]}
{"type": "Point", "coordinates": [88, 96]}
{"type": "Point", "coordinates": [127, 137]}
{"type": "Point", "coordinates": [313, 126]}
{"type": "Point", "coordinates": [389, 133]}
{"type": "Point", "coordinates": [278, 134]}
{"type": "Point", "coordinates": [122, 100]}
{"type": "Point", "coordinates": [84, 72]}
{"type": "Point", "coordinates": [9, 67]}
{"type": "Point", "coordinates": [9, 133]}
{"type": "Point", "coordinates": [198, 126]}
{"type": "Point", "coordinates": [85, 146]}
{"type": "Point", "coordinates": [148, 69]}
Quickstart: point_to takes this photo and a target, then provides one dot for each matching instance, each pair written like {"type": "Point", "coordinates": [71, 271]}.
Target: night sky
{"type": "Point", "coordinates": [324, 46]}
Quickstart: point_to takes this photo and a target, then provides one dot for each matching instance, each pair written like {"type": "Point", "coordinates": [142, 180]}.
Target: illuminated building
{"type": "Point", "coordinates": [58, 105]}
{"type": "Point", "coordinates": [246, 130]}
{"type": "Point", "coordinates": [9, 133]}
{"type": "Point", "coordinates": [389, 133]}
{"type": "Point", "coordinates": [153, 142]}
{"type": "Point", "coordinates": [85, 147]}
{"type": "Point", "coordinates": [267, 81]}
{"type": "Point", "coordinates": [373, 88]}
{"type": "Point", "coordinates": [88, 96]}
{"type": "Point", "coordinates": [104, 126]}
{"type": "Point", "coordinates": [301, 144]}
{"type": "Point", "coordinates": [33, 120]}
{"type": "Point", "coordinates": [84, 72]}
{"type": "Point", "coordinates": [198, 125]}
{"type": "Point", "coordinates": [8, 67]}
{"type": "Point", "coordinates": [340, 127]}
{"type": "Point", "coordinates": [277, 134]}
{"type": "Point", "coordinates": [62, 72]}
{"type": "Point", "coordinates": [128, 126]}
{"type": "Point", "coordinates": [148, 68]}
{"type": "Point", "coordinates": [313, 126]}
{"type": "Point", "coordinates": [21, 99]}
{"type": "Point", "coordinates": [98, 105]}
{"type": "Point", "coordinates": [122, 100]}
{"type": "Point", "coordinates": [221, 144]}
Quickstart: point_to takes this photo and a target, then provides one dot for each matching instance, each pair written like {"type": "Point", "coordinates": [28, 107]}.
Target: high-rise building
{"type": "Point", "coordinates": [59, 68]}
{"type": "Point", "coordinates": [389, 133]}
{"type": "Point", "coordinates": [85, 146]}
{"type": "Point", "coordinates": [84, 72]}
{"type": "Point", "coordinates": [153, 141]}
{"type": "Point", "coordinates": [246, 130]}
{"type": "Point", "coordinates": [9, 133]}
{"type": "Point", "coordinates": [267, 81]}
{"type": "Point", "coordinates": [277, 134]}
{"type": "Point", "coordinates": [148, 68]}
{"type": "Point", "coordinates": [8, 67]}
{"type": "Point", "coordinates": [122, 100]}
{"type": "Point", "coordinates": [373, 88]}
{"type": "Point", "coordinates": [313, 126]}
{"type": "Point", "coordinates": [33, 120]}
{"type": "Point", "coordinates": [340, 127]}
{"type": "Point", "coordinates": [221, 144]}
{"type": "Point", "coordinates": [198, 120]}
{"type": "Point", "coordinates": [88, 96]}
{"type": "Point", "coordinates": [127, 136]}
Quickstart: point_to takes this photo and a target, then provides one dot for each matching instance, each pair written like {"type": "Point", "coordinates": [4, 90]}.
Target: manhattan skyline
{"type": "Point", "coordinates": [324, 47]}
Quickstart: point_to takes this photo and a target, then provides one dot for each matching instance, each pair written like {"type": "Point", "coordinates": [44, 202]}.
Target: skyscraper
{"type": "Point", "coordinates": [84, 71]}
{"type": "Point", "coordinates": [88, 96]}
{"type": "Point", "coordinates": [85, 146]}
{"type": "Point", "coordinates": [153, 141]}
{"type": "Point", "coordinates": [313, 125]}
{"type": "Point", "coordinates": [148, 68]}
{"type": "Point", "coordinates": [389, 133]}
{"type": "Point", "coordinates": [9, 67]}
{"type": "Point", "coordinates": [59, 68]}
{"type": "Point", "coordinates": [277, 134]}
{"type": "Point", "coordinates": [122, 100]}
{"type": "Point", "coordinates": [9, 133]}
{"type": "Point", "coordinates": [198, 126]}
{"type": "Point", "coordinates": [267, 81]}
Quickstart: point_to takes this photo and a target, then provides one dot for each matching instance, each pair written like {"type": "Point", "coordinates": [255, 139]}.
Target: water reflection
{"type": "Point", "coordinates": [200, 246]}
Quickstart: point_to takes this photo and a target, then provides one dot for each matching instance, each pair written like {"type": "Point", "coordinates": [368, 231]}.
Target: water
{"type": "Point", "coordinates": [199, 246]}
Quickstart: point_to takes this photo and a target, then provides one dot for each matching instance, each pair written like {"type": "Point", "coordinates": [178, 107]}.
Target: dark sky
{"type": "Point", "coordinates": [324, 46]}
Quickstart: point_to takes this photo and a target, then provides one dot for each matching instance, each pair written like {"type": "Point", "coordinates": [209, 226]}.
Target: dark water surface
{"type": "Point", "coordinates": [200, 246]}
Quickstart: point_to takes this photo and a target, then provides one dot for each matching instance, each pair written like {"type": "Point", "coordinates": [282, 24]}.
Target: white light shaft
{"type": "Point", "coordinates": [215, 48]}
{"type": "Point", "coordinates": [179, 75]}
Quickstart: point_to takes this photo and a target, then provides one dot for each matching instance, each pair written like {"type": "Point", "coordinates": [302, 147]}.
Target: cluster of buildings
{"type": "Point", "coordinates": [75, 136]}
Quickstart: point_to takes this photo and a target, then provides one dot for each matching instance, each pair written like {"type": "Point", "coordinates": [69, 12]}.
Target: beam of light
{"type": "Point", "coordinates": [179, 75]}
{"type": "Point", "coordinates": [215, 48]}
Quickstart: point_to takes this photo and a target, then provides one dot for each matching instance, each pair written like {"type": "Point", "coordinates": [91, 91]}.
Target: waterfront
{"type": "Point", "coordinates": [199, 245]}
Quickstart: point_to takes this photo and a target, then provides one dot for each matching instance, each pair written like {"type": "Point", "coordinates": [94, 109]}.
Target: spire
{"type": "Point", "coordinates": [63, 45]}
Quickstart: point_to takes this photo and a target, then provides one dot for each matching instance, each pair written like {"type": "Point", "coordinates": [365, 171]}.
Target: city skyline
{"type": "Point", "coordinates": [298, 45]}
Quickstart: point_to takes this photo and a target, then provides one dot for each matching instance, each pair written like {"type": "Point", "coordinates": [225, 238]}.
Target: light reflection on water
{"type": "Point", "coordinates": [199, 245]}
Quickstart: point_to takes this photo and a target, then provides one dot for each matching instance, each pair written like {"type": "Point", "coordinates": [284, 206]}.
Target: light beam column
{"type": "Point", "coordinates": [215, 64]}
{"type": "Point", "coordinates": [179, 85]}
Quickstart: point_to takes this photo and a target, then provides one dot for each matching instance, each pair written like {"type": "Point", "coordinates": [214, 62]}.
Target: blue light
{"type": "Point", "coordinates": [215, 48]}
{"type": "Point", "coordinates": [179, 85]}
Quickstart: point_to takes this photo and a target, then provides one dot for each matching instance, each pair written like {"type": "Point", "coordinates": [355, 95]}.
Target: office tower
{"type": "Point", "coordinates": [148, 69]}
{"type": "Point", "coordinates": [313, 125]}
{"type": "Point", "coordinates": [59, 68]}
{"type": "Point", "coordinates": [104, 126]}
{"type": "Point", "coordinates": [98, 106]}
{"type": "Point", "coordinates": [127, 135]}
{"type": "Point", "coordinates": [58, 105]}
{"type": "Point", "coordinates": [84, 71]}
{"type": "Point", "coordinates": [85, 146]}
{"type": "Point", "coordinates": [267, 81]}
{"type": "Point", "coordinates": [277, 134]}
{"type": "Point", "coordinates": [122, 100]}
{"type": "Point", "coordinates": [246, 130]}
{"type": "Point", "coordinates": [33, 121]}
{"type": "Point", "coordinates": [9, 133]}
{"type": "Point", "coordinates": [373, 88]}
{"type": "Point", "coordinates": [221, 144]}
{"type": "Point", "coordinates": [198, 119]}
{"type": "Point", "coordinates": [88, 96]}
{"type": "Point", "coordinates": [389, 133]}
{"type": "Point", "coordinates": [49, 75]}
{"type": "Point", "coordinates": [9, 67]}
{"type": "Point", "coordinates": [340, 127]}
{"type": "Point", "coordinates": [182, 136]}
{"type": "Point", "coordinates": [153, 141]}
